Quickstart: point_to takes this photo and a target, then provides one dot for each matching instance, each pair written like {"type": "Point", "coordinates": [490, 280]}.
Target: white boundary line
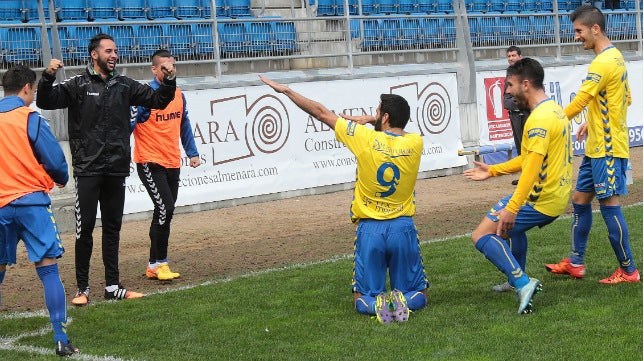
{"type": "Point", "coordinates": [8, 343]}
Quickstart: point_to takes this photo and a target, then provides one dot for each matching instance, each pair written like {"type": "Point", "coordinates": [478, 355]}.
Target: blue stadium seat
{"type": "Point", "coordinates": [431, 34]}
{"type": "Point", "coordinates": [479, 5]}
{"type": "Point", "coordinates": [389, 30]}
{"type": "Point", "coordinates": [260, 36]}
{"type": "Point", "coordinates": [524, 30]}
{"type": "Point", "coordinates": [529, 6]}
{"type": "Point", "coordinates": [474, 23]}
{"type": "Point", "coordinates": [188, 9]}
{"type": "Point", "coordinates": [30, 10]}
{"type": "Point", "coordinates": [232, 38]}
{"type": "Point", "coordinates": [447, 33]}
{"type": "Point", "coordinates": [202, 34]}
{"type": "Point", "coordinates": [238, 7]}
{"type": "Point", "coordinates": [68, 42]}
{"type": "Point", "coordinates": [507, 27]}
{"type": "Point", "coordinates": [131, 9]}
{"type": "Point", "coordinates": [325, 7]}
{"type": "Point", "coordinates": [21, 45]}
{"type": "Point", "coordinates": [410, 32]}
{"type": "Point", "coordinates": [103, 9]}
{"type": "Point", "coordinates": [387, 6]}
{"type": "Point", "coordinates": [82, 35]}
{"type": "Point", "coordinates": [566, 31]}
{"type": "Point", "coordinates": [285, 36]}
{"type": "Point", "coordinates": [372, 37]}
{"type": "Point", "coordinates": [514, 5]}
{"type": "Point", "coordinates": [568, 5]}
{"type": "Point", "coordinates": [544, 27]}
{"type": "Point", "coordinates": [369, 7]}
{"type": "Point", "coordinates": [353, 7]}
{"type": "Point", "coordinates": [206, 11]}
{"type": "Point", "coordinates": [161, 9]}
{"type": "Point", "coordinates": [499, 5]}
{"type": "Point", "coordinates": [125, 39]}
{"type": "Point", "coordinates": [180, 39]}
{"type": "Point", "coordinates": [630, 30]}
{"type": "Point", "coordinates": [489, 30]}
{"type": "Point", "coordinates": [72, 10]}
{"type": "Point", "coordinates": [444, 6]}
{"type": "Point", "coordinates": [544, 5]}
{"type": "Point", "coordinates": [11, 10]}
{"type": "Point", "coordinates": [427, 6]}
{"type": "Point", "coordinates": [151, 37]}
{"type": "Point", "coordinates": [408, 6]}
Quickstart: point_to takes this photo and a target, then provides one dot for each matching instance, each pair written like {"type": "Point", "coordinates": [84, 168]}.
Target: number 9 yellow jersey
{"type": "Point", "coordinates": [386, 173]}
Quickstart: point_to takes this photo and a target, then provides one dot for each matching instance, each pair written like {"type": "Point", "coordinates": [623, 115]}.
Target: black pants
{"type": "Point", "coordinates": [109, 191]}
{"type": "Point", "coordinates": [163, 186]}
{"type": "Point", "coordinates": [517, 121]}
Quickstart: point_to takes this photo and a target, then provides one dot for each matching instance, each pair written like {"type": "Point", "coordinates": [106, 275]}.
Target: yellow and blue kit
{"type": "Point", "coordinates": [383, 204]}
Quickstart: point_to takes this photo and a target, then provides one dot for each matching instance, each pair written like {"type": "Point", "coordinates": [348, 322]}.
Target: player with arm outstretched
{"type": "Point", "coordinates": [383, 205]}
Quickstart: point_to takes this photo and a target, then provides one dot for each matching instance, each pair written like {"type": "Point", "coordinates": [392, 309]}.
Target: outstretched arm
{"type": "Point", "coordinates": [315, 109]}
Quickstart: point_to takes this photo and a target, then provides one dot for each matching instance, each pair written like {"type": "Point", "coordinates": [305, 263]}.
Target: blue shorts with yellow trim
{"type": "Point", "coordinates": [527, 217]}
{"type": "Point", "coordinates": [35, 226]}
{"type": "Point", "coordinates": [387, 244]}
{"type": "Point", "coordinates": [605, 176]}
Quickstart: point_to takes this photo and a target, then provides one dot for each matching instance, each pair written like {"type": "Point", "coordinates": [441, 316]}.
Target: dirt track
{"type": "Point", "coordinates": [224, 242]}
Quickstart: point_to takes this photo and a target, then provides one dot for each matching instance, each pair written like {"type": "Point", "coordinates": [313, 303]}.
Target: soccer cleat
{"type": "Point", "coordinates": [620, 276]}
{"type": "Point", "coordinates": [566, 268]}
{"type": "Point", "coordinates": [525, 295]}
{"type": "Point", "coordinates": [503, 287]}
{"type": "Point", "coordinates": [163, 273]}
{"type": "Point", "coordinates": [65, 349]}
{"type": "Point", "coordinates": [383, 313]}
{"type": "Point", "coordinates": [122, 293]}
{"type": "Point", "coordinates": [150, 273]}
{"type": "Point", "coordinates": [81, 298]}
{"type": "Point", "coordinates": [401, 311]}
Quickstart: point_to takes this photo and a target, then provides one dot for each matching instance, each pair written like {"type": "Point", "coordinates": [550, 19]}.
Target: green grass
{"type": "Point", "coordinates": [305, 313]}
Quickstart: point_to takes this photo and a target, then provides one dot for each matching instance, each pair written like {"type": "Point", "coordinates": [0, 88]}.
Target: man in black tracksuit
{"type": "Point", "coordinates": [99, 103]}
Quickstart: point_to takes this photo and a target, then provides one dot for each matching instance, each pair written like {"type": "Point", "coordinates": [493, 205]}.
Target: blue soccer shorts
{"type": "Point", "coordinates": [35, 226]}
{"type": "Point", "coordinates": [527, 217]}
{"type": "Point", "coordinates": [605, 176]}
{"type": "Point", "coordinates": [382, 245]}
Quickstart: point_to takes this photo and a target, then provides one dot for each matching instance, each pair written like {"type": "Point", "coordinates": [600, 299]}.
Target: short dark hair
{"type": "Point", "coordinates": [16, 78]}
{"type": "Point", "coordinates": [161, 53]}
{"type": "Point", "coordinates": [530, 69]}
{"type": "Point", "coordinates": [589, 15]}
{"type": "Point", "coordinates": [96, 41]}
{"type": "Point", "coordinates": [513, 48]}
{"type": "Point", "coordinates": [397, 108]}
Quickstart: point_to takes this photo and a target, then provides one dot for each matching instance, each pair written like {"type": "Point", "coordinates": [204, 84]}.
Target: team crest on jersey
{"type": "Point", "coordinates": [594, 77]}
{"type": "Point", "coordinates": [351, 129]}
{"type": "Point", "coordinates": [537, 132]}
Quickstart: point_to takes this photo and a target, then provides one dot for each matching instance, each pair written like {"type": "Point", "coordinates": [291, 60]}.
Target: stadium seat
{"type": "Point", "coordinates": [30, 10]}
{"type": "Point", "coordinates": [431, 34]}
{"type": "Point", "coordinates": [368, 7]}
{"type": "Point", "coordinates": [325, 7]}
{"type": "Point", "coordinates": [103, 9]}
{"type": "Point", "coordinates": [72, 10]}
{"type": "Point", "coordinates": [499, 5]}
{"type": "Point", "coordinates": [82, 36]}
{"type": "Point", "coordinates": [285, 36]}
{"type": "Point", "coordinates": [180, 39]}
{"type": "Point", "coordinates": [21, 45]}
{"type": "Point", "coordinates": [372, 38]}
{"type": "Point", "coordinates": [528, 6]}
{"type": "Point", "coordinates": [161, 9]}
{"type": "Point", "coordinates": [568, 5]}
{"type": "Point", "coordinates": [489, 29]}
{"type": "Point", "coordinates": [202, 34]}
{"type": "Point", "coordinates": [408, 6]}
{"type": "Point", "coordinates": [11, 10]}
{"type": "Point", "coordinates": [260, 36]}
{"type": "Point", "coordinates": [387, 6]}
{"type": "Point", "coordinates": [353, 7]}
{"type": "Point", "coordinates": [131, 9]}
{"type": "Point", "coordinates": [480, 5]}
{"type": "Point", "coordinates": [444, 6]}
{"type": "Point", "coordinates": [188, 9]}
{"type": "Point", "coordinates": [427, 6]}
{"type": "Point", "coordinates": [523, 27]}
{"type": "Point", "coordinates": [514, 5]}
{"type": "Point", "coordinates": [125, 39]}
{"type": "Point", "coordinates": [544, 6]}
{"type": "Point", "coordinates": [473, 21]}
{"type": "Point", "coordinates": [389, 30]}
{"type": "Point", "coordinates": [507, 29]}
{"type": "Point", "coordinates": [238, 7]}
{"type": "Point", "coordinates": [447, 33]}
{"type": "Point", "coordinates": [67, 39]}
{"type": "Point", "coordinates": [151, 37]}
{"type": "Point", "coordinates": [630, 30]}
{"type": "Point", "coordinates": [410, 32]}
{"type": "Point", "coordinates": [232, 38]}
{"type": "Point", "coordinates": [566, 31]}
{"type": "Point", "coordinates": [544, 27]}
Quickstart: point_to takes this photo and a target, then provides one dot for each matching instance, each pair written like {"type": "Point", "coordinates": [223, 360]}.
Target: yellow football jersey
{"type": "Point", "coordinates": [607, 82]}
{"type": "Point", "coordinates": [386, 172]}
{"type": "Point", "coordinates": [547, 131]}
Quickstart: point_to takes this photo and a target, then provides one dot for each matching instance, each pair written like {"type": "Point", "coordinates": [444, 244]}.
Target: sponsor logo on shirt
{"type": "Point", "coordinates": [594, 77]}
{"type": "Point", "coordinates": [537, 132]}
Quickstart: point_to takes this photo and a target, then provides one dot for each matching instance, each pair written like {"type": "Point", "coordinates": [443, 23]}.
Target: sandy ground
{"type": "Point", "coordinates": [225, 242]}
